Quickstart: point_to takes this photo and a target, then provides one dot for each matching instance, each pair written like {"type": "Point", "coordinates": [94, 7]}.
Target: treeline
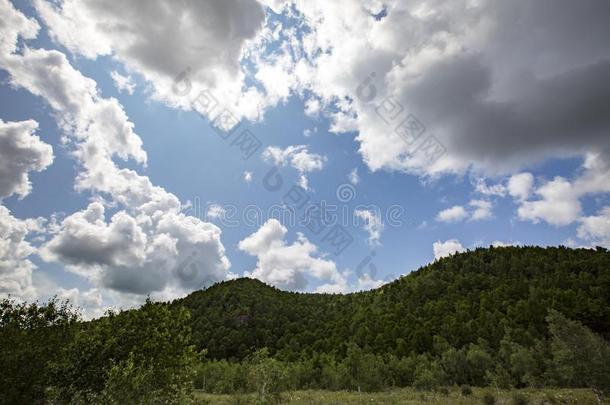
{"type": "Point", "coordinates": [502, 317]}
{"type": "Point", "coordinates": [573, 356]}
{"type": "Point", "coordinates": [462, 299]}
{"type": "Point", "coordinates": [47, 355]}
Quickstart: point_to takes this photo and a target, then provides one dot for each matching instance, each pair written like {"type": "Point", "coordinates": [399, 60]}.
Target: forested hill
{"type": "Point", "coordinates": [480, 297]}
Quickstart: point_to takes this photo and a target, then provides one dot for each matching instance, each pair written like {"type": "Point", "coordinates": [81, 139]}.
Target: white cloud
{"type": "Point", "coordinates": [372, 223]}
{"type": "Point", "coordinates": [558, 205]}
{"type": "Point", "coordinates": [498, 243]}
{"type": "Point", "coordinates": [490, 94]}
{"type": "Point", "coordinates": [482, 187]}
{"type": "Point", "coordinates": [21, 152]}
{"type": "Point", "coordinates": [15, 266]}
{"type": "Point", "coordinates": [447, 248]}
{"type": "Point", "coordinates": [308, 132]}
{"type": "Point", "coordinates": [596, 228]}
{"type": "Point", "coordinates": [560, 199]}
{"type": "Point", "coordinates": [140, 254]}
{"type": "Point", "coordinates": [353, 176]}
{"type": "Point", "coordinates": [312, 107]}
{"type": "Point", "coordinates": [88, 301]}
{"type": "Point", "coordinates": [143, 246]}
{"type": "Point", "coordinates": [208, 37]}
{"type": "Point", "coordinates": [248, 177]}
{"type": "Point", "coordinates": [454, 214]}
{"type": "Point", "coordinates": [288, 266]}
{"type": "Point", "coordinates": [366, 282]}
{"type": "Point", "coordinates": [123, 83]}
{"type": "Point", "coordinates": [215, 211]}
{"type": "Point", "coordinates": [482, 210]}
{"type": "Point", "coordinates": [297, 156]}
{"type": "Point", "coordinates": [520, 186]}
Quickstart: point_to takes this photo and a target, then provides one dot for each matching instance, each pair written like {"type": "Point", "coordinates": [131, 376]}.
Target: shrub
{"type": "Point", "coordinates": [466, 390]}
{"type": "Point", "coordinates": [581, 357]}
{"type": "Point", "coordinates": [125, 354]}
{"type": "Point", "coordinates": [32, 337]}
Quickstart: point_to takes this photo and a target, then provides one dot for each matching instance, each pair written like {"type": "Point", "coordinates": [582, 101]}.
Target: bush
{"type": "Point", "coordinates": [32, 337]}
{"type": "Point", "coordinates": [581, 358]}
{"type": "Point", "coordinates": [127, 354]}
{"type": "Point", "coordinates": [489, 399]}
{"type": "Point", "coordinates": [466, 390]}
{"type": "Point", "coordinates": [267, 376]}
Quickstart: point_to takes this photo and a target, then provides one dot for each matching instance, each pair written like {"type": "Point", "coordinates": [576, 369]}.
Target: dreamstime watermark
{"type": "Point", "coordinates": [328, 222]}
{"type": "Point", "coordinates": [426, 148]}
{"type": "Point", "coordinates": [253, 216]}
{"type": "Point", "coordinates": [221, 119]}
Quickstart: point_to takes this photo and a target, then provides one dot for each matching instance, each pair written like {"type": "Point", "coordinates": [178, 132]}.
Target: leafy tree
{"type": "Point", "coordinates": [267, 375]}
{"type": "Point", "coordinates": [32, 336]}
{"type": "Point", "coordinates": [581, 357]}
{"type": "Point", "coordinates": [130, 351]}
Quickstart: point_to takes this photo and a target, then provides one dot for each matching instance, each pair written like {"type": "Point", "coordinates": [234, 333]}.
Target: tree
{"type": "Point", "coordinates": [267, 375]}
{"type": "Point", "coordinates": [32, 337]}
{"type": "Point", "coordinates": [130, 353]}
{"type": "Point", "coordinates": [581, 357]}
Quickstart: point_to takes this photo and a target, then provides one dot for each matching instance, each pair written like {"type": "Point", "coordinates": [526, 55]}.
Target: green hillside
{"type": "Point", "coordinates": [473, 297]}
{"type": "Point", "coordinates": [499, 317]}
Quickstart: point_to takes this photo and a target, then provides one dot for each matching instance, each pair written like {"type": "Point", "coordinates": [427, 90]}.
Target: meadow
{"type": "Point", "coordinates": [453, 396]}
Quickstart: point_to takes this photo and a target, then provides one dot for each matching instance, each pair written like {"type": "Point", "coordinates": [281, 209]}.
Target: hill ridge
{"type": "Point", "coordinates": [479, 294]}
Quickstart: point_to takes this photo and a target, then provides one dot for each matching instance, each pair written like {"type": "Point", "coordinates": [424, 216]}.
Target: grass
{"type": "Point", "coordinates": [454, 396]}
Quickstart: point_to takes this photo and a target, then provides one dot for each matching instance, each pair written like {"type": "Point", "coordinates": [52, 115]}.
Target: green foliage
{"type": "Point", "coordinates": [267, 375]}
{"type": "Point", "coordinates": [475, 319]}
{"type": "Point", "coordinates": [581, 358]}
{"type": "Point", "coordinates": [129, 354]}
{"type": "Point", "coordinates": [32, 336]}
{"type": "Point", "coordinates": [461, 300]}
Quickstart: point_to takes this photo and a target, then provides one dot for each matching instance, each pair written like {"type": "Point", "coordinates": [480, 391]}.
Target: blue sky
{"type": "Point", "coordinates": [548, 191]}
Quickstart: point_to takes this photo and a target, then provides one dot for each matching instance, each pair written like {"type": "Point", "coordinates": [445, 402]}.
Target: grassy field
{"type": "Point", "coordinates": [411, 396]}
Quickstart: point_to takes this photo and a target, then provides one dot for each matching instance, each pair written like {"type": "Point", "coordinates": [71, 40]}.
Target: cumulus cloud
{"type": "Point", "coordinates": [139, 255]}
{"type": "Point", "coordinates": [454, 214]}
{"type": "Point", "coordinates": [482, 187]}
{"type": "Point", "coordinates": [209, 38]}
{"type": "Point", "coordinates": [520, 185]}
{"type": "Point", "coordinates": [558, 204]}
{"type": "Point", "coordinates": [288, 266]}
{"type": "Point", "coordinates": [372, 223]}
{"type": "Point", "coordinates": [596, 228]}
{"type": "Point", "coordinates": [493, 95]}
{"type": "Point", "coordinates": [15, 266]}
{"type": "Point", "coordinates": [297, 156]}
{"type": "Point", "coordinates": [142, 248]}
{"type": "Point", "coordinates": [481, 210]}
{"type": "Point", "coordinates": [89, 302]}
{"type": "Point", "coordinates": [21, 152]}
{"type": "Point", "coordinates": [447, 248]}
